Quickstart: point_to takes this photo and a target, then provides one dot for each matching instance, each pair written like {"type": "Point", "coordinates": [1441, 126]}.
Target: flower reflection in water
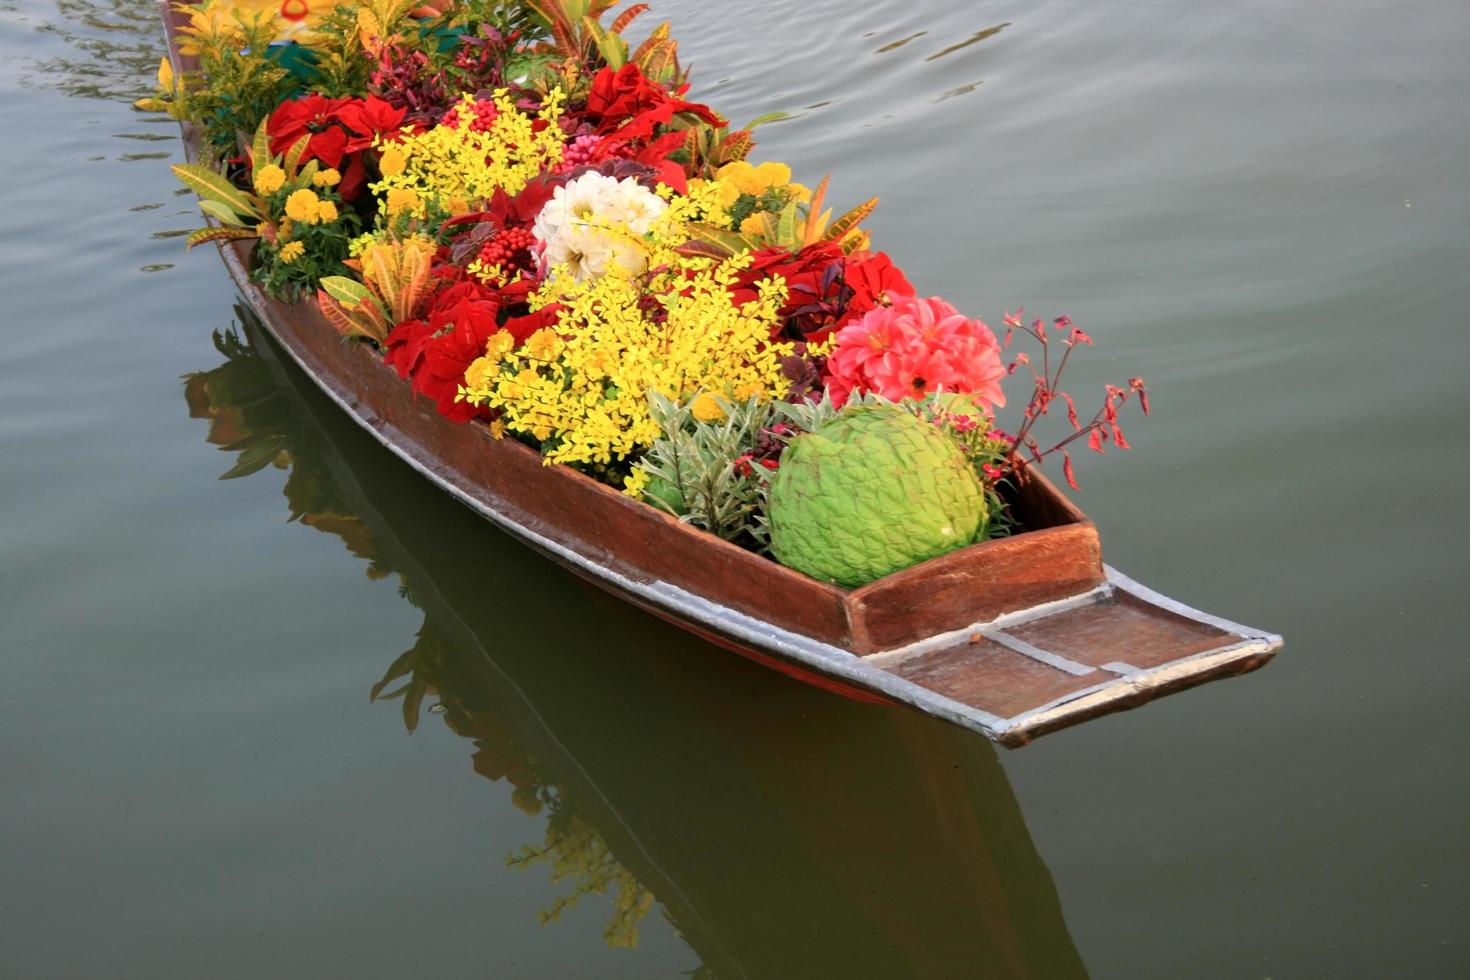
{"type": "Point", "coordinates": [780, 830]}
{"type": "Point", "coordinates": [251, 416]}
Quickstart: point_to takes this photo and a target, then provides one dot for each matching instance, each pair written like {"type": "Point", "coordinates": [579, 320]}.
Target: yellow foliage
{"type": "Point", "coordinates": [292, 19]}
{"type": "Point", "coordinates": [461, 166]}
{"type": "Point", "coordinates": [582, 391]}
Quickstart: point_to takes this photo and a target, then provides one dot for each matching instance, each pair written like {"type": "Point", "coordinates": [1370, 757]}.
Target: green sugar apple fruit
{"type": "Point", "coordinates": [874, 490]}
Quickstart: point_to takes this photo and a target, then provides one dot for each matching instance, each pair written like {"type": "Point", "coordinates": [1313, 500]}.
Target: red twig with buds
{"type": "Point", "coordinates": [1026, 451]}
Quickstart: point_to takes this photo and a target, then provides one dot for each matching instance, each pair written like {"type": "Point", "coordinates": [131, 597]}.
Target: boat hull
{"type": "Point", "coordinates": [1012, 637]}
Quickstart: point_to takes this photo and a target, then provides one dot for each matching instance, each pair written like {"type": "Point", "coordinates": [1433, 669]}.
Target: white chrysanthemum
{"type": "Point", "coordinates": [596, 222]}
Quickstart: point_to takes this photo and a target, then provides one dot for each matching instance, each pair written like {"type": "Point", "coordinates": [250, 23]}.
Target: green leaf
{"type": "Point", "coordinates": [260, 149]}
{"type": "Point", "coordinates": [786, 224]}
{"type": "Point", "coordinates": [703, 250]}
{"type": "Point", "coordinates": [614, 49]}
{"type": "Point", "coordinates": [412, 701]}
{"type": "Point", "coordinates": [222, 213]}
{"type": "Point", "coordinates": [212, 186]}
{"type": "Point", "coordinates": [849, 221]}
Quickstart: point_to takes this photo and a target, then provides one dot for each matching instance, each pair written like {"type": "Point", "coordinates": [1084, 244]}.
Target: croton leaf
{"type": "Point", "coordinates": [348, 292]}
{"type": "Point", "coordinates": [260, 147]}
{"type": "Point", "coordinates": [729, 242]}
{"type": "Point", "coordinates": [222, 213]}
{"type": "Point", "coordinates": [217, 234]}
{"type": "Point", "coordinates": [626, 17]}
{"type": "Point", "coordinates": [294, 154]}
{"type": "Point", "coordinates": [212, 186]}
{"type": "Point", "coordinates": [845, 224]}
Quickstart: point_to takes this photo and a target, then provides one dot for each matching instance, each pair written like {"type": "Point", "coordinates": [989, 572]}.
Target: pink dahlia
{"type": "Point", "coordinates": [913, 347]}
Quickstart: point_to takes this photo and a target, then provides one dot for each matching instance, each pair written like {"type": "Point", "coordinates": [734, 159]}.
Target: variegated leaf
{"type": "Point", "coordinates": [851, 220]}
{"type": "Point", "coordinates": [627, 17]}
{"type": "Point", "coordinates": [212, 186]}
{"type": "Point", "coordinates": [222, 213]}
{"type": "Point", "coordinates": [294, 155]}
{"type": "Point", "coordinates": [260, 147]}
{"type": "Point", "coordinates": [203, 235]}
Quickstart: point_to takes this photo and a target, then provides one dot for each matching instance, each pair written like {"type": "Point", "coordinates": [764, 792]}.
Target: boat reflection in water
{"type": "Point", "coordinates": [782, 830]}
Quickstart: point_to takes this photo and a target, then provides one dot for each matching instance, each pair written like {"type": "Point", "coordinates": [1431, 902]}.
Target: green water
{"type": "Point", "coordinates": [1261, 208]}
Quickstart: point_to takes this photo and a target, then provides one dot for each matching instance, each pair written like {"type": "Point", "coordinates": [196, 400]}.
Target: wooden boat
{"type": "Point", "coordinates": [1013, 637]}
{"type": "Point", "coordinates": [660, 746]}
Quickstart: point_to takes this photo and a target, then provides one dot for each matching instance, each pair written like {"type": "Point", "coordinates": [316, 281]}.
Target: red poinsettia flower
{"type": "Point", "coordinates": [825, 288]}
{"type": "Point", "coordinates": [340, 131]}
{"type": "Point", "coordinates": [433, 353]}
{"type": "Point", "coordinates": [872, 277]}
{"type": "Point", "coordinates": [521, 327]}
{"type": "Point", "coordinates": [367, 119]}
{"type": "Point", "coordinates": [628, 103]}
{"type": "Point", "coordinates": [654, 155]}
{"type": "Point", "coordinates": [312, 115]}
{"type": "Point", "coordinates": [625, 111]}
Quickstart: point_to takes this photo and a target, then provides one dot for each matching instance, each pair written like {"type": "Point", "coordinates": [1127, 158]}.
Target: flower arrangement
{"type": "Point", "coordinates": [542, 233]}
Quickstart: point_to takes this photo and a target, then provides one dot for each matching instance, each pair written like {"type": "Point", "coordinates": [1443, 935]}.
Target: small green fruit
{"type": "Point", "coordinates": [870, 492]}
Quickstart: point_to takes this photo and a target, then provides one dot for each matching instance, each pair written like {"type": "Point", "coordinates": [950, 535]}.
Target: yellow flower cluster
{"type": "Point", "coordinates": [304, 206]}
{"type": "Point", "coordinates": [459, 167]}
{"type": "Point", "coordinates": [269, 179]}
{"type": "Point", "coordinates": [582, 390]}
{"type": "Point", "coordinates": [736, 180]}
{"type": "Point", "coordinates": [756, 180]}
